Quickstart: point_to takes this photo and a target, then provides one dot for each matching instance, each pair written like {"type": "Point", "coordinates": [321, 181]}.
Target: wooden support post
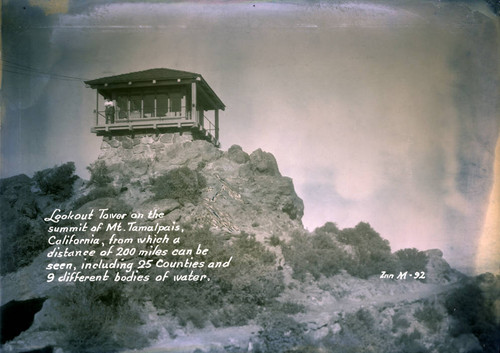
{"type": "Point", "coordinates": [115, 108]}
{"type": "Point", "coordinates": [194, 108]}
{"type": "Point", "coordinates": [183, 106]}
{"type": "Point", "coordinates": [217, 124]}
{"type": "Point", "coordinates": [97, 108]}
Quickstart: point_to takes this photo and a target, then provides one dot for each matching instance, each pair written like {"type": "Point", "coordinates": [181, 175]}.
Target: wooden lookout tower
{"type": "Point", "coordinates": [156, 101]}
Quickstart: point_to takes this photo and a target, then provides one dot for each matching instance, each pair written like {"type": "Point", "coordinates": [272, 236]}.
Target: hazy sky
{"type": "Point", "coordinates": [385, 112]}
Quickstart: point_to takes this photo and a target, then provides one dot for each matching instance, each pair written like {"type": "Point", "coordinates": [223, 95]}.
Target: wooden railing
{"type": "Point", "coordinates": [126, 116]}
{"type": "Point", "coordinates": [204, 124]}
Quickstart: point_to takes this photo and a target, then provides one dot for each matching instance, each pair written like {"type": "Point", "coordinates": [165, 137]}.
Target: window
{"type": "Point", "coordinates": [135, 107]}
{"type": "Point", "coordinates": [175, 103]}
{"type": "Point", "coordinates": [149, 105]}
{"type": "Point", "coordinates": [122, 104]}
{"type": "Point", "coordinates": [161, 105]}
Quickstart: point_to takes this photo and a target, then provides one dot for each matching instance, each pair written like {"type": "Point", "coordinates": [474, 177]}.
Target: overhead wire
{"type": "Point", "coordinates": [20, 69]}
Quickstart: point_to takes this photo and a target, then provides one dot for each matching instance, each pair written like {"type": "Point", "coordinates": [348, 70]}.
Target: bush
{"type": "Point", "coordinates": [99, 174]}
{"type": "Point", "coordinates": [399, 322]}
{"type": "Point", "coordinates": [234, 295]}
{"type": "Point", "coordinates": [328, 228]}
{"type": "Point", "coordinates": [182, 184]}
{"type": "Point", "coordinates": [372, 254]}
{"type": "Point", "coordinates": [274, 240]}
{"type": "Point", "coordinates": [234, 314]}
{"type": "Point", "coordinates": [429, 316]}
{"type": "Point", "coordinates": [97, 193]}
{"type": "Point", "coordinates": [316, 254]}
{"type": "Point", "coordinates": [281, 333]}
{"type": "Point", "coordinates": [22, 246]}
{"type": "Point", "coordinates": [360, 333]}
{"type": "Point", "coordinates": [411, 260]}
{"type": "Point", "coordinates": [360, 250]}
{"type": "Point", "coordinates": [474, 313]}
{"type": "Point", "coordinates": [409, 343]}
{"type": "Point", "coordinates": [290, 308]}
{"type": "Point", "coordinates": [361, 321]}
{"type": "Point", "coordinates": [97, 318]}
{"type": "Point", "coordinates": [57, 181]}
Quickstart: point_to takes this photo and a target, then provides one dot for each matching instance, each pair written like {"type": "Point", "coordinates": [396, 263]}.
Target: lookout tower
{"type": "Point", "coordinates": [156, 101]}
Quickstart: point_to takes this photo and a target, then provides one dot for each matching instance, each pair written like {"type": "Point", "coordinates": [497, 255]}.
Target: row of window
{"type": "Point", "coordinates": [150, 105]}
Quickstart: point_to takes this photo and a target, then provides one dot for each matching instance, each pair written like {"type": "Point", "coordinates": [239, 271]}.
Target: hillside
{"type": "Point", "coordinates": [274, 287]}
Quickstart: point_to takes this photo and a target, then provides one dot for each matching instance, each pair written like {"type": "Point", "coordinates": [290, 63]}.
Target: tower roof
{"type": "Point", "coordinates": [160, 77]}
{"type": "Point", "coordinates": [145, 75]}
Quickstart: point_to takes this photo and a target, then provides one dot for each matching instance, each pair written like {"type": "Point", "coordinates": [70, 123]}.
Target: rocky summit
{"type": "Point", "coordinates": [242, 192]}
{"type": "Point", "coordinates": [218, 262]}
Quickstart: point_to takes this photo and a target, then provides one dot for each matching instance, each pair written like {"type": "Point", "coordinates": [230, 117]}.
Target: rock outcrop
{"type": "Point", "coordinates": [243, 192]}
{"type": "Point", "coordinates": [233, 193]}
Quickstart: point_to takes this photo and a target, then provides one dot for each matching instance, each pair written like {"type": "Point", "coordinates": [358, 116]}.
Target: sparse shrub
{"type": "Point", "coordinates": [411, 260]}
{"type": "Point", "coordinates": [234, 295]}
{"type": "Point", "coordinates": [399, 322]}
{"type": "Point", "coordinates": [408, 343]}
{"type": "Point", "coordinates": [193, 315]}
{"type": "Point", "coordinates": [429, 316]}
{"type": "Point", "coordinates": [96, 317]}
{"type": "Point", "coordinates": [182, 184]}
{"type": "Point", "coordinates": [201, 165]}
{"type": "Point", "coordinates": [316, 254]}
{"type": "Point", "coordinates": [361, 321]}
{"type": "Point", "coordinates": [94, 194]}
{"type": "Point", "coordinates": [325, 252]}
{"type": "Point", "coordinates": [234, 315]}
{"type": "Point", "coordinates": [474, 313]}
{"type": "Point", "coordinates": [57, 181]}
{"type": "Point", "coordinates": [328, 228]}
{"type": "Point", "coordinates": [99, 174]}
{"type": "Point", "coordinates": [372, 253]}
{"type": "Point", "coordinates": [291, 308]}
{"type": "Point", "coordinates": [281, 333]}
{"type": "Point", "coordinates": [226, 349]}
{"type": "Point", "coordinates": [360, 333]}
{"type": "Point", "coordinates": [22, 246]}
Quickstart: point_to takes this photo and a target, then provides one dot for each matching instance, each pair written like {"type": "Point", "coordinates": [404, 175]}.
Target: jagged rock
{"type": "Point", "coordinates": [264, 163]}
{"type": "Point", "coordinates": [336, 328]}
{"type": "Point", "coordinates": [236, 154]}
{"type": "Point", "coordinates": [167, 138]}
{"type": "Point", "coordinates": [438, 270]}
{"type": "Point", "coordinates": [127, 142]}
{"type": "Point", "coordinates": [165, 206]}
{"type": "Point", "coordinates": [113, 143]}
{"type": "Point", "coordinates": [320, 332]}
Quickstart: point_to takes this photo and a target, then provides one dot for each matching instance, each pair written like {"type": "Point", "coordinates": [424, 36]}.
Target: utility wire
{"type": "Point", "coordinates": [31, 69]}
{"type": "Point", "coordinates": [19, 69]}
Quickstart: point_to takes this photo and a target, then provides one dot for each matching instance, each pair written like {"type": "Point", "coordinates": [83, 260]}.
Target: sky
{"type": "Point", "coordinates": [385, 112]}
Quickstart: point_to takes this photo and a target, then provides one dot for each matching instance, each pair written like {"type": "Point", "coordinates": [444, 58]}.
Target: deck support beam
{"type": "Point", "coordinates": [194, 107]}
{"type": "Point", "coordinates": [216, 124]}
{"type": "Point", "coordinates": [97, 107]}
